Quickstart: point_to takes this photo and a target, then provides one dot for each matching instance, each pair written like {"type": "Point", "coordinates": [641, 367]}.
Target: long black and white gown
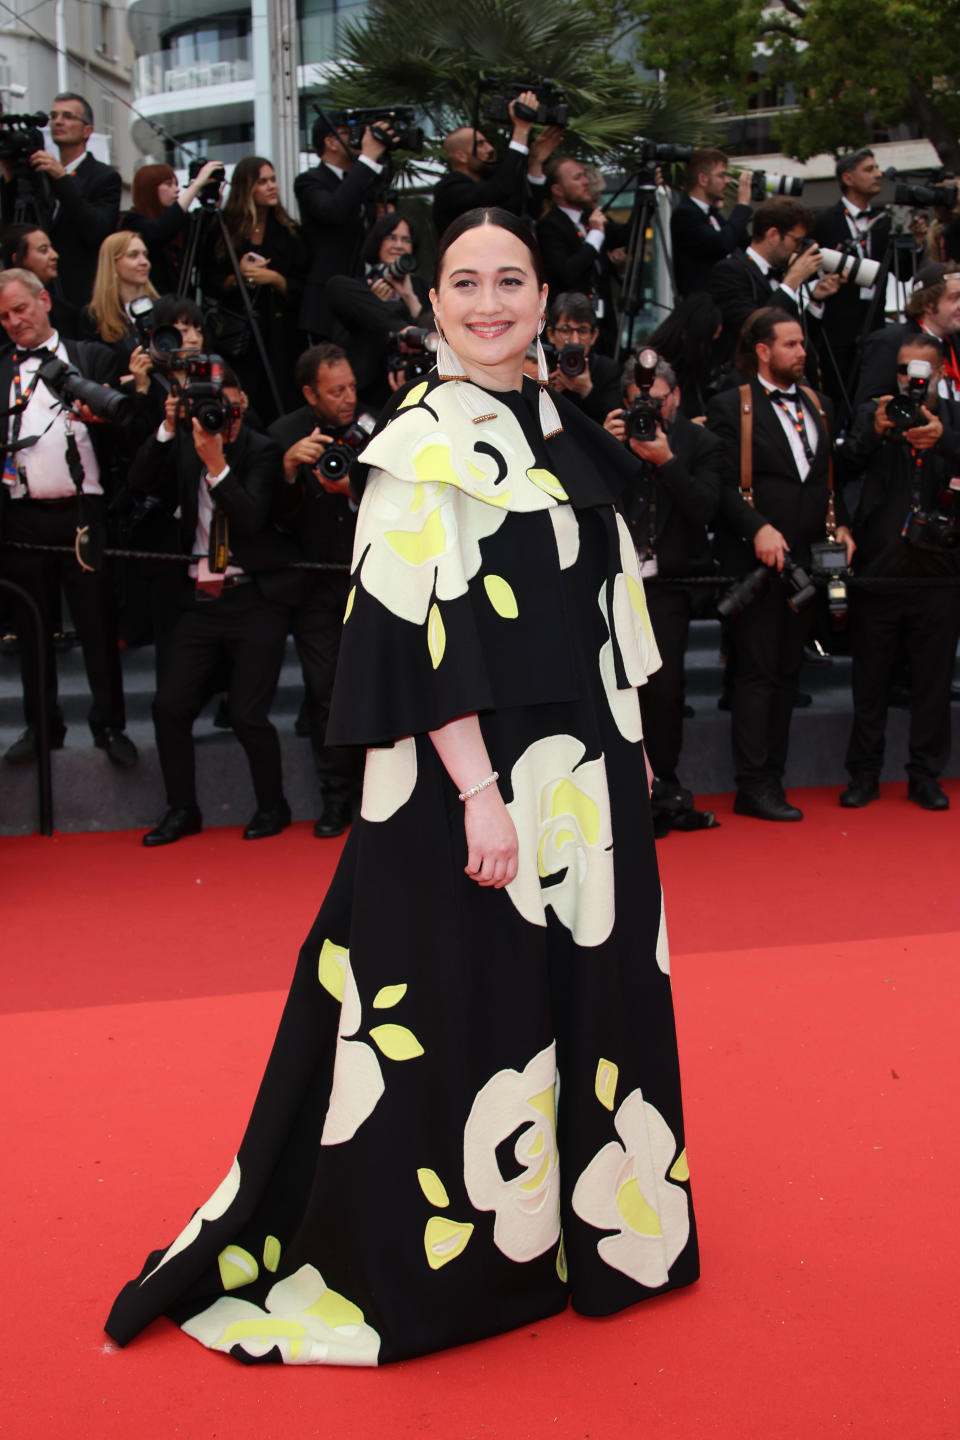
{"type": "Point", "coordinates": [472, 1111]}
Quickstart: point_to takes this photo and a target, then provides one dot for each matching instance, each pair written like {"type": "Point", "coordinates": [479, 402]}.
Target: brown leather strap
{"type": "Point", "coordinates": [746, 445]}
{"type": "Point", "coordinates": [814, 400]}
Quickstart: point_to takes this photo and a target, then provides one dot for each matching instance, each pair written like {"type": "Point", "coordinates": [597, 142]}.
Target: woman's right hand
{"type": "Point", "coordinates": [382, 289]}
{"type": "Point", "coordinates": [492, 846]}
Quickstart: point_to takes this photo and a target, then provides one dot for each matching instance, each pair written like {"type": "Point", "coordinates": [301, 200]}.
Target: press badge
{"type": "Point", "coordinates": [13, 479]}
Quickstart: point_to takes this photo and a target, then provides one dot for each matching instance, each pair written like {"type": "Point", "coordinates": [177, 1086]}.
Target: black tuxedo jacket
{"type": "Point", "coordinates": [572, 264]}
{"type": "Point", "coordinates": [798, 509]}
{"type": "Point", "coordinates": [507, 187]}
{"type": "Point", "coordinates": [697, 246]}
{"type": "Point", "coordinates": [336, 215]}
{"type": "Point", "coordinates": [739, 287]}
{"type": "Point", "coordinates": [96, 362]}
{"type": "Point", "coordinates": [686, 493]}
{"type": "Point", "coordinates": [323, 524]}
{"type": "Point", "coordinates": [845, 312]}
{"type": "Point", "coordinates": [878, 372]}
{"type": "Point", "coordinates": [86, 207]}
{"type": "Point", "coordinates": [248, 496]}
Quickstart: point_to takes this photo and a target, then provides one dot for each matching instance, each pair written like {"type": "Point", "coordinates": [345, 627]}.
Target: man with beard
{"type": "Point", "coordinates": [776, 475]}
{"type": "Point", "coordinates": [476, 178]}
{"type": "Point", "coordinates": [933, 309]}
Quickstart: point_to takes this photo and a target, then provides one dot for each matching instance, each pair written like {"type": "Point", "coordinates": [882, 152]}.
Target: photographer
{"type": "Point", "coordinates": [389, 298]}
{"type": "Point", "coordinates": [700, 236]}
{"type": "Point", "coordinates": [25, 247]}
{"type": "Point", "coordinates": [590, 380]}
{"type": "Point", "coordinates": [336, 200]}
{"type": "Point", "coordinates": [233, 603]}
{"type": "Point", "coordinates": [773, 270]}
{"type": "Point", "coordinates": [904, 448]}
{"type": "Point", "coordinates": [864, 231]}
{"type": "Point", "coordinates": [579, 244]}
{"type": "Point", "coordinates": [318, 510]}
{"type": "Point", "coordinates": [475, 176]}
{"type": "Point", "coordinates": [933, 309]}
{"type": "Point", "coordinates": [776, 474]}
{"type": "Point", "coordinates": [51, 490]}
{"type": "Point", "coordinates": [160, 214]}
{"type": "Point", "coordinates": [84, 194]}
{"type": "Point", "coordinates": [668, 508]}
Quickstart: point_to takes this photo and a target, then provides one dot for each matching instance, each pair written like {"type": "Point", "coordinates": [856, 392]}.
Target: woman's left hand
{"type": "Point", "coordinates": [382, 289]}
{"type": "Point", "coordinates": [492, 845]}
{"type": "Point", "coordinates": [140, 367]}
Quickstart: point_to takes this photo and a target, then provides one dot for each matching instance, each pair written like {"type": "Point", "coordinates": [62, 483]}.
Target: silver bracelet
{"type": "Point", "coordinates": [475, 789]}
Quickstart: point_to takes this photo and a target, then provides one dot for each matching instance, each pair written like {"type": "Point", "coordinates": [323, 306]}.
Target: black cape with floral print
{"type": "Point", "coordinates": [472, 1110]}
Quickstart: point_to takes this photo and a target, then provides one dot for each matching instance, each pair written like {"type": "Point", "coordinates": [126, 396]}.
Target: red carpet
{"type": "Point", "coordinates": [817, 985]}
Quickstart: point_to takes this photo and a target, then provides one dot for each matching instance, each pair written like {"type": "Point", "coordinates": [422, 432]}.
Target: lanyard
{"type": "Point", "coordinates": [21, 397]}
{"type": "Point", "coordinates": [797, 422]}
{"type": "Point", "coordinates": [862, 237]}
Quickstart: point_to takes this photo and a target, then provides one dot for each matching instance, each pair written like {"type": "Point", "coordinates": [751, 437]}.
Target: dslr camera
{"type": "Point", "coordinates": [905, 410]}
{"type": "Point", "coordinates": [20, 136]}
{"type": "Point", "coordinates": [939, 528]}
{"type": "Point", "coordinates": [922, 196]}
{"type": "Point", "coordinates": [570, 360]}
{"type": "Point", "coordinates": [197, 383]}
{"type": "Point", "coordinates": [416, 358]}
{"type": "Point", "coordinates": [208, 196]}
{"type": "Point", "coordinates": [828, 561]}
{"type": "Point", "coordinates": [801, 590]}
{"type": "Point", "coordinates": [764, 183]}
{"type": "Point", "coordinates": [552, 109]}
{"type": "Point", "coordinates": [336, 460]}
{"type": "Point", "coordinates": [65, 382]}
{"type": "Point", "coordinates": [397, 269]}
{"type": "Point", "coordinates": [645, 414]}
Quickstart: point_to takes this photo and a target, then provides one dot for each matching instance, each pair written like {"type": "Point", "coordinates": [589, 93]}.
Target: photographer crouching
{"type": "Point", "coordinates": [905, 450]}
{"type": "Point", "coordinates": [668, 508]}
{"type": "Point", "coordinates": [224, 480]}
{"type": "Point", "coordinates": [319, 441]}
{"type": "Point", "coordinates": [54, 455]}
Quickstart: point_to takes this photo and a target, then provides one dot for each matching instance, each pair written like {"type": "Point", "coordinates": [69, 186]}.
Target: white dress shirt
{"type": "Point", "coordinates": [42, 467]}
{"type": "Point", "coordinates": [789, 427]}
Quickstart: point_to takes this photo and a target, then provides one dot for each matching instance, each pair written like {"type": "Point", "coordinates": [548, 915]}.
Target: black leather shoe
{"type": "Point", "coordinates": [927, 792]}
{"type": "Point", "coordinates": [765, 805]}
{"type": "Point", "coordinates": [335, 819]}
{"type": "Point", "coordinates": [174, 825]}
{"type": "Point", "coordinates": [268, 822]}
{"type": "Point", "coordinates": [119, 747]}
{"type": "Point", "coordinates": [24, 748]}
{"type": "Point", "coordinates": [861, 791]}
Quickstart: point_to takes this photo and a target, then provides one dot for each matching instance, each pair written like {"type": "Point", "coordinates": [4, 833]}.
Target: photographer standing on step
{"type": "Point", "coordinates": [53, 456]}
{"type": "Point", "coordinates": [905, 450]}
{"type": "Point", "coordinates": [776, 471]}
{"type": "Point", "coordinates": [224, 480]}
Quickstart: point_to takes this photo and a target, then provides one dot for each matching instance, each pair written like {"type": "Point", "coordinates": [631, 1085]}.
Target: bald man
{"type": "Point", "coordinates": [475, 177]}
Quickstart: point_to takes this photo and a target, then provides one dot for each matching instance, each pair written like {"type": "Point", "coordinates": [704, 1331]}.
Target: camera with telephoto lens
{"type": "Point", "coordinates": [651, 152]}
{"type": "Point", "coordinates": [208, 196]}
{"type": "Point", "coordinates": [937, 529]}
{"type": "Point", "coordinates": [67, 384]}
{"type": "Point", "coordinates": [347, 444]}
{"type": "Point", "coordinates": [764, 183]}
{"type": "Point", "coordinates": [417, 358]}
{"type": "Point", "coordinates": [644, 414]}
{"type": "Point", "coordinates": [21, 137]}
{"type": "Point", "coordinates": [801, 590]}
{"type": "Point", "coordinates": [922, 196]}
{"type": "Point", "coordinates": [197, 384]}
{"type": "Point", "coordinates": [397, 269]}
{"type": "Point", "coordinates": [828, 561]}
{"type": "Point", "coordinates": [166, 344]}
{"type": "Point", "coordinates": [552, 108]}
{"type": "Point", "coordinates": [905, 410]}
{"type": "Point", "coordinates": [856, 269]}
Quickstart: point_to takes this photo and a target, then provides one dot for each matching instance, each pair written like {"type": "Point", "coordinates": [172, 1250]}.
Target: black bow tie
{"type": "Point", "coordinates": [39, 354]}
{"type": "Point", "coordinates": [784, 395]}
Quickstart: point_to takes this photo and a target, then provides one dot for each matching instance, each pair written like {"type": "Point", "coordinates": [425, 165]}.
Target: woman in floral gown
{"type": "Point", "coordinates": [472, 1111]}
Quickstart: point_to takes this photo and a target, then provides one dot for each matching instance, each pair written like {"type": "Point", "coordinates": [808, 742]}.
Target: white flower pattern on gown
{"type": "Point", "coordinates": [218, 1204]}
{"type": "Point", "coordinates": [527, 1208]}
{"type": "Point", "coordinates": [389, 779]}
{"type": "Point", "coordinates": [561, 810]}
{"type": "Point", "coordinates": [306, 1321]}
{"type": "Point", "coordinates": [357, 1077]}
{"type": "Point", "coordinates": [626, 1189]}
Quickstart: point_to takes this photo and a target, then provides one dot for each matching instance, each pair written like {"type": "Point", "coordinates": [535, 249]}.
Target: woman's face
{"type": "Point", "coordinates": [41, 257]}
{"type": "Point", "coordinates": [266, 191]}
{"type": "Point", "coordinates": [167, 191]}
{"type": "Point", "coordinates": [489, 304]}
{"type": "Point", "coordinates": [398, 242]}
{"type": "Point", "coordinates": [133, 266]}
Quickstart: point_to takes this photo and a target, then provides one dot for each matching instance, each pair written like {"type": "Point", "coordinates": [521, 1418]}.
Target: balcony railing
{"type": "Point", "coordinates": [165, 71]}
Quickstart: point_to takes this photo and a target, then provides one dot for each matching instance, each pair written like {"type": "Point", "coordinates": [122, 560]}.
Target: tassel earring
{"type": "Point", "coordinates": [550, 422]}
{"type": "Point", "coordinates": [448, 366]}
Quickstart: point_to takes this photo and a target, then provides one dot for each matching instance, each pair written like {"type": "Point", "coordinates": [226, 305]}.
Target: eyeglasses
{"type": "Point", "coordinates": [581, 331]}
{"type": "Point", "coordinates": [65, 115]}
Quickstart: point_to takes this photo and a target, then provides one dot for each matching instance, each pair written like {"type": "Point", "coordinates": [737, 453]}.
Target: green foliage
{"type": "Point", "coordinates": [432, 55]}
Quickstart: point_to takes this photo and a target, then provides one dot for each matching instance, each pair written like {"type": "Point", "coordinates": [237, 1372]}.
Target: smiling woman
{"type": "Point", "coordinates": [498, 897]}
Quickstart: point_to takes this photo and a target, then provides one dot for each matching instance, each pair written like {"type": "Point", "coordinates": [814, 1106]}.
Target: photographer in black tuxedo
{"type": "Point", "coordinates": [233, 603]}
{"type": "Point", "coordinates": [54, 461]}
{"type": "Point", "coordinates": [579, 244]}
{"type": "Point", "coordinates": [933, 309]}
{"type": "Point", "coordinates": [476, 177]}
{"type": "Point", "coordinates": [316, 508]}
{"type": "Point", "coordinates": [83, 196]}
{"type": "Point", "coordinates": [776, 473]}
{"type": "Point", "coordinates": [572, 333]}
{"type": "Point", "coordinates": [773, 270]}
{"type": "Point", "coordinates": [668, 508]}
{"type": "Point", "coordinates": [904, 449]}
{"type": "Point", "coordinates": [852, 222]}
{"type": "Point", "coordinates": [699, 234]}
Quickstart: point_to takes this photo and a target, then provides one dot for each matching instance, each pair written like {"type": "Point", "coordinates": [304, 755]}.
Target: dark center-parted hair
{"type": "Point", "coordinates": [171, 308]}
{"type": "Point", "coordinates": [240, 210]}
{"type": "Point", "coordinates": [759, 329]}
{"type": "Point", "coordinates": [494, 216]}
{"type": "Point", "coordinates": [370, 253]}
